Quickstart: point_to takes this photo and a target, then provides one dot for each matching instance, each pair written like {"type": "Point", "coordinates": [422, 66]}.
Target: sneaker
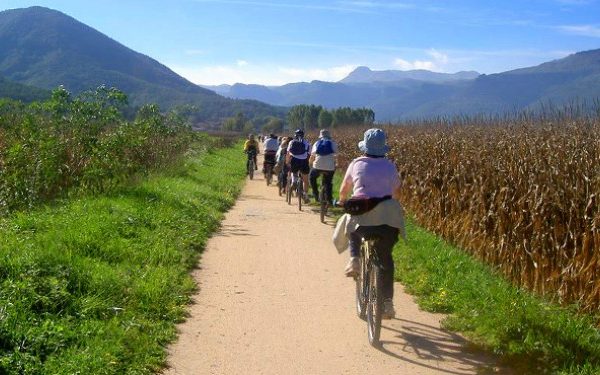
{"type": "Point", "coordinates": [353, 267]}
{"type": "Point", "coordinates": [388, 310]}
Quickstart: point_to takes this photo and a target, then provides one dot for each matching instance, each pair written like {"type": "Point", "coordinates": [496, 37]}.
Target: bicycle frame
{"type": "Point", "coordinates": [369, 297]}
{"type": "Point", "coordinates": [250, 163]}
{"type": "Point", "coordinates": [299, 186]}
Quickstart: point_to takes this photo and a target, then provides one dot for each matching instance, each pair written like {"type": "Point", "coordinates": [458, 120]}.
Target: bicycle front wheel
{"type": "Point", "coordinates": [374, 304]}
{"type": "Point", "coordinates": [288, 192]}
{"type": "Point", "coordinates": [361, 291]}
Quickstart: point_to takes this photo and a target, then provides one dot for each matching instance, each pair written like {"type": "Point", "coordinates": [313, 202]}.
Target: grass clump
{"type": "Point", "coordinates": [95, 285]}
{"type": "Point", "coordinates": [531, 334]}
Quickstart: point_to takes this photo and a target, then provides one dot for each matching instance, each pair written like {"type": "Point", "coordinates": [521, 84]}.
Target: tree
{"type": "Point", "coordinates": [249, 127]}
{"type": "Point", "coordinates": [236, 123]}
{"type": "Point", "coordinates": [325, 119]}
{"type": "Point", "coordinates": [274, 125]}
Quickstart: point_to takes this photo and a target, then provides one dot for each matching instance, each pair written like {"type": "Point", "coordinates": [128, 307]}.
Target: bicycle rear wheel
{"type": "Point", "coordinates": [268, 173]}
{"type": "Point", "coordinates": [288, 192]}
{"type": "Point", "coordinates": [300, 192]}
{"type": "Point", "coordinates": [251, 169]}
{"type": "Point", "coordinates": [374, 305]}
{"type": "Point", "coordinates": [361, 291]}
{"type": "Point", "coordinates": [324, 204]}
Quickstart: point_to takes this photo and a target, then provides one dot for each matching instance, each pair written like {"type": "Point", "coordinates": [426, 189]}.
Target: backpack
{"type": "Point", "coordinates": [297, 147]}
{"type": "Point", "coordinates": [324, 147]}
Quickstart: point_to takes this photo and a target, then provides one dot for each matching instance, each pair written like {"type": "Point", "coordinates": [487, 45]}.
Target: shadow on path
{"type": "Point", "coordinates": [433, 345]}
{"type": "Point", "coordinates": [229, 230]}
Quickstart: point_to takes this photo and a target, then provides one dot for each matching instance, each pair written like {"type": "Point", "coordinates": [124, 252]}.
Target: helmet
{"type": "Point", "coordinates": [299, 133]}
{"type": "Point", "coordinates": [272, 135]}
{"type": "Point", "coordinates": [250, 136]}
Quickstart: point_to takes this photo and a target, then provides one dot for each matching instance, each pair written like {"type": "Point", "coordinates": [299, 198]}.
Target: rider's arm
{"type": "Point", "coordinates": [347, 184]}
{"type": "Point", "coordinates": [345, 190]}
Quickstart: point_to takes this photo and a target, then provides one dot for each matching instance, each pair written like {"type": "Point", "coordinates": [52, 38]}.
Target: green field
{"type": "Point", "coordinates": [96, 284]}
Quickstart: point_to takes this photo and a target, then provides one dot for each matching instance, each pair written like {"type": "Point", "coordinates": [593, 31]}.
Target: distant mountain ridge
{"type": "Point", "coordinates": [396, 95]}
{"type": "Point", "coordinates": [363, 74]}
{"type": "Point", "coordinates": [46, 48]}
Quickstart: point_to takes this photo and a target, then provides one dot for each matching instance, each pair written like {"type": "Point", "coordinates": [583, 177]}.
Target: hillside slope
{"type": "Point", "coordinates": [46, 48]}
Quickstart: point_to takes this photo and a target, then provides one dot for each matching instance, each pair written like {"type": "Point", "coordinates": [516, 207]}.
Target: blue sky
{"type": "Point", "coordinates": [276, 42]}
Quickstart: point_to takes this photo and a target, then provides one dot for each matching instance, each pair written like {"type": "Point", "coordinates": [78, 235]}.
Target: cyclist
{"type": "Point", "coordinates": [251, 148]}
{"type": "Point", "coordinates": [323, 163]}
{"type": "Point", "coordinates": [298, 152]}
{"type": "Point", "coordinates": [270, 146]}
{"type": "Point", "coordinates": [374, 177]}
{"type": "Point", "coordinates": [280, 157]}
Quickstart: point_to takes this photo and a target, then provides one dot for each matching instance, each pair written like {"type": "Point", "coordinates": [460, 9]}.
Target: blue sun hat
{"type": "Point", "coordinates": [374, 143]}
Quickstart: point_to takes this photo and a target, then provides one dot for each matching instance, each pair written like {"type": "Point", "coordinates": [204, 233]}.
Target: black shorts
{"type": "Point", "coordinates": [270, 157]}
{"type": "Point", "coordinates": [300, 165]}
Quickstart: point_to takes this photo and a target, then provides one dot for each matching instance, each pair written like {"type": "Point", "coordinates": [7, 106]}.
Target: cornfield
{"type": "Point", "coordinates": [521, 195]}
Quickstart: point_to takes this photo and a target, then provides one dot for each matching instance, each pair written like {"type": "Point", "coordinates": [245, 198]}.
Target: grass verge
{"type": "Point", "coordinates": [529, 333]}
{"type": "Point", "coordinates": [96, 285]}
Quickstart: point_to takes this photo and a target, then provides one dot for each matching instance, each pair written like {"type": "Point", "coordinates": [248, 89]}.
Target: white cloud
{"type": "Point", "coordinates": [265, 75]}
{"type": "Point", "coordinates": [437, 62]}
{"type": "Point", "coordinates": [585, 30]}
{"type": "Point", "coordinates": [242, 63]}
{"type": "Point", "coordinates": [438, 56]}
{"type": "Point", "coordinates": [335, 73]}
{"type": "Point", "coordinates": [416, 64]}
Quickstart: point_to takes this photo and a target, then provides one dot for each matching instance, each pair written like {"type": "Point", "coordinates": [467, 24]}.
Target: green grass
{"type": "Point", "coordinates": [96, 285]}
{"type": "Point", "coordinates": [532, 335]}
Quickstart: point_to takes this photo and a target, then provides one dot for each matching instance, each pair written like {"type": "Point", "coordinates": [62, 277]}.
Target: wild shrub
{"type": "Point", "coordinates": [80, 143]}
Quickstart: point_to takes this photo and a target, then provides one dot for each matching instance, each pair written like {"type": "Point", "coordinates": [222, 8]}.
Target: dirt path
{"type": "Point", "coordinates": [273, 300]}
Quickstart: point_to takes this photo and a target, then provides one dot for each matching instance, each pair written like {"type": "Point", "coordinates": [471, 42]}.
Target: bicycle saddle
{"type": "Point", "coordinates": [371, 237]}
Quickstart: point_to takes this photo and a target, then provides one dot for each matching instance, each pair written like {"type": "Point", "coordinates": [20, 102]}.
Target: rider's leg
{"type": "Point", "coordinates": [304, 171]}
{"type": "Point", "coordinates": [388, 238]}
{"type": "Point", "coordinates": [313, 175]}
{"type": "Point", "coordinates": [255, 163]}
{"type": "Point", "coordinates": [353, 265]}
{"type": "Point", "coordinates": [328, 184]}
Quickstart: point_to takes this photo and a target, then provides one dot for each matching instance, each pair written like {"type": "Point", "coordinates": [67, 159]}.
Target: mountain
{"type": "Point", "coordinates": [363, 74]}
{"type": "Point", "coordinates": [24, 93]}
{"type": "Point", "coordinates": [397, 95]}
{"type": "Point", "coordinates": [46, 48]}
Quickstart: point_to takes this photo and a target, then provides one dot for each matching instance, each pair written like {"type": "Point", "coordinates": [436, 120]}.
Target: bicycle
{"type": "Point", "coordinates": [288, 189]}
{"type": "Point", "coordinates": [269, 173]}
{"type": "Point", "coordinates": [324, 202]}
{"type": "Point", "coordinates": [369, 295]}
{"type": "Point", "coordinates": [296, 186]}
{"type": "Point", "coordinates": [250, 164]}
